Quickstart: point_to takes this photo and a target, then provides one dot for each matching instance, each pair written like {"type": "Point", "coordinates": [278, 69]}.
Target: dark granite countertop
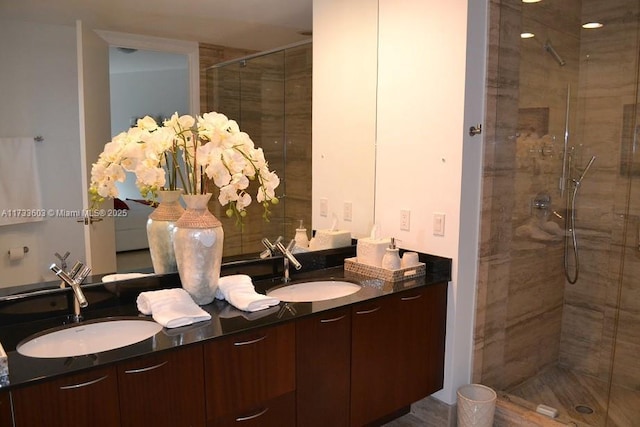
{"type": "Point", "coordinates": [20, 319]}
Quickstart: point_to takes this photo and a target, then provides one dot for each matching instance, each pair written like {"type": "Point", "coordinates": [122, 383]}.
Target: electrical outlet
{"type": "Point", "coordinates": [324, 207]}
{"type": "Point", "coordinates": [405, 220]}
{"type": "Point", "coordinates": [348, 211]}
{"type": "Point", "coordinates": [438, 224]}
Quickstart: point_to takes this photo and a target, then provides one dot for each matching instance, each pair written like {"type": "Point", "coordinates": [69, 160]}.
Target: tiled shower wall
{"type": "Point", "coordinates": [270, 97]}
{"type": "Point", "coordinates": [528, 317]}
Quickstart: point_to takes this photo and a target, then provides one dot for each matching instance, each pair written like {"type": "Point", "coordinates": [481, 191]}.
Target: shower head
{"type": "Point", "coordinates": [549, 48]}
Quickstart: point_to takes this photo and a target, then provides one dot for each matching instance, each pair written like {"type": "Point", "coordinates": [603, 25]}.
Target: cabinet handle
{"type": "Point", "coordinates": [148, 368]}
{"type": "Point", "coordinates": [251, 417]}
{"type": "Point", "coordinates": [373, 310]}
{"type": "Point", "coordinates": [88, 383]}
{"type": "Point", "coordinates": [335, 319]}
{"type": "Point", "coordinates": [250, 341]}
{"type": "Point", "coordinates": [411, 298]}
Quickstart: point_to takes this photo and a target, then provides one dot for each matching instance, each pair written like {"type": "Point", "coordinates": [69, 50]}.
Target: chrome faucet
{"type": "Point", "coordinates": [73, 279]}
{"type": "Point", "coordinates": [270, 247]}
{"type": "Point", "coordinates": [288, 258]}
{"type": "Point", "coordinates": [277, 246]}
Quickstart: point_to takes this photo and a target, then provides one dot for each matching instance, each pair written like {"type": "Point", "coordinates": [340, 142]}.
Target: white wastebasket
{"type": "Point", "coordinates": [476, 406]}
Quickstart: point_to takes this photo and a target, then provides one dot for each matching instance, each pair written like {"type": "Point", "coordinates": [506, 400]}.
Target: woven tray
{"type": "Point", "coordinates": [352, 265]}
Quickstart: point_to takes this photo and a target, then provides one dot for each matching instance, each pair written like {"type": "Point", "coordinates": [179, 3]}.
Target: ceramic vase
{"type": "Point", "coordinates": [197, 242]}
{"type": "Point", "coordinates": [160, 227]}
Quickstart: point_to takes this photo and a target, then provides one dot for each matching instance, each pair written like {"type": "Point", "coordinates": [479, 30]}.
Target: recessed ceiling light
{"type": "Point", "coordinates": [527, 35]}
{"type": "Point", "coordinates": [591, 25]}
{"type": "Point", "coordinates": [530, 1]}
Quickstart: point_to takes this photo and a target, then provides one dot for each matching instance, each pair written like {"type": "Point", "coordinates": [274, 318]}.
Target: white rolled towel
{"type": "Point", "coordinates": [239, 291]}
{"type": "Point", "coordinates": [171, 307]}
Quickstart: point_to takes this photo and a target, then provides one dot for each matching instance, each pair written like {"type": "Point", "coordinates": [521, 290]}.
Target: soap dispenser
{"type": "Point", "coordinates": [302, 241]}
{"type": "Point", "coordinates": [391, 258]}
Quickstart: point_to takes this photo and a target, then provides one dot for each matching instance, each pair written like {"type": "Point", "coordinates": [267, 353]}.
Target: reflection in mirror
{"type": "Point", "coordinates": [142, 83]}
{"type": "Point", "coordinates": [39, 75]}
{"type": "Point", "coordinates": [269, 94]}
{"type": "Point", "coordinates": [42, 84]}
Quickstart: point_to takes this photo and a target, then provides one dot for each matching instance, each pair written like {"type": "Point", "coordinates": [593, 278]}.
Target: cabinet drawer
{"type": "Point", "coordinates": [245, 370]}
{"type": "Point", "coordinates": [87, 399]}
{"type": "Point", "coordinates": [277, 412]}
{"type": "Point", "coordinates": [163, 389]}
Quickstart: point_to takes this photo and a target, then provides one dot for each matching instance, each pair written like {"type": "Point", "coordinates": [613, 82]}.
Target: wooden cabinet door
{"type": "Point", "coordinates": [420, 343]}
{"type": "Point", "coordinates": [397, 351]}
{"type": "Point", "coordinates": [166, 389]}
{"type": "Point", "coordinates": [6, 419]}
{"type": "Point", "coordinates": [373, 360]}
{"type": "Point", "coordinates": [244, 372]}
{"type": "Point", "coordinates": [86, 399]}
{"type": "Point", "coordinates": [323, 353]}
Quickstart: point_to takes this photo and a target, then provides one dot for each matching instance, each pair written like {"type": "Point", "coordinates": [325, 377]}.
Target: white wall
{"type": "Point", "coordinates": [39, 87]}
{"type": "Point", "coordinates": [423, 163]}
{"type": "Point", "coordinates": [156, 93]}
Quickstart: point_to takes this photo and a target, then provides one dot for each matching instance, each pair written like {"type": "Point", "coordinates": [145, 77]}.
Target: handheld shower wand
{"type": "Point", "coordinates": [586, 169]}
{"type": "Point", "coordinates": [571, 225]}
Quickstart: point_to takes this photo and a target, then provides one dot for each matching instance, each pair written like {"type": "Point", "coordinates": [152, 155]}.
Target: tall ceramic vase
{"type": "Point", "coordinates": [197, 241]}
{"type": "Point", "coordinates": [160, 227]}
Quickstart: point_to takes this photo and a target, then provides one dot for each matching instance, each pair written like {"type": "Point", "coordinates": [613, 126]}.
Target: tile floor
{"type": "Point", "coordinates": [580, 398]}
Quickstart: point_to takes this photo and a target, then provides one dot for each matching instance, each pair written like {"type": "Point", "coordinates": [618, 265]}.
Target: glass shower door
{"type": "Point", "coordinates": [559, 303]}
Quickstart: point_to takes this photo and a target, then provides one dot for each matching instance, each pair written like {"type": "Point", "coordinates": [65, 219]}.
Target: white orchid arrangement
{"type": "Point", "coordinates": [183, 151]}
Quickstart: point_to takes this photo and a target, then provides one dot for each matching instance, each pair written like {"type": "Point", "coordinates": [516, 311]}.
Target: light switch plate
{"type": "Point", "coordinates": [348, 211]}
{"type": "Point", "coordinates": [324, 207]}
{"type": "Point", "coordinates": [438, 224]}
{"type": "Point", "coordinates": [405, 220]}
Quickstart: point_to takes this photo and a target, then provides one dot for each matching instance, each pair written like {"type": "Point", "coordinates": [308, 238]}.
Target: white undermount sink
{"type": "Point", "coordinates": [88, 337]}
{"type": "Point", "coordinates": [314, 291]}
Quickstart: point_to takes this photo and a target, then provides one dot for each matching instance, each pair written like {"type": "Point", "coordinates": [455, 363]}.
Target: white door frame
{"type": "Point", "coordinates": [159, 44]}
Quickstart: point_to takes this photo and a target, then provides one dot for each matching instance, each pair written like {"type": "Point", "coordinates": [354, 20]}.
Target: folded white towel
{"type": "Point", "coordinates": [238, 290]}
{"type": "Point", "coordinates": [171, 307]}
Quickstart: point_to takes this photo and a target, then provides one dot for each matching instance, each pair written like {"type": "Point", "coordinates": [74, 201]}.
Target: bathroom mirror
{"type": "Point", "coordinates": [234, 27]}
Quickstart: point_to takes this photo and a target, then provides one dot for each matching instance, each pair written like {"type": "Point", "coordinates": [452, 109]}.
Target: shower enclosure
{"type": "Point", "coordinates": [269, 95]}
{"type": "Point", "coordinates": [558, 304]}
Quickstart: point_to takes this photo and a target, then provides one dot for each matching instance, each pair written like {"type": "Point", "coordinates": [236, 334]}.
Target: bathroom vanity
{"type": "Point", "coordinates": [357, 360]}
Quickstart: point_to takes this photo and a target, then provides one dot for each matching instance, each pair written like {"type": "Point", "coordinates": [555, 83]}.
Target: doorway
{"type": "Point", "coordinates": [143, 82]}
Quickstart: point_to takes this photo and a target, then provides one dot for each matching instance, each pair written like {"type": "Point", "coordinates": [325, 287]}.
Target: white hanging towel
{"type": "Point", "coordinates": [20, 199]}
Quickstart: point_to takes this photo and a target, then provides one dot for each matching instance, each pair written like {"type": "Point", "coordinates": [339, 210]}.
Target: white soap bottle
{"type": "Point", "coordinates": [391, 258]}
{"type": "Point", "coordinates": [302, 241]}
